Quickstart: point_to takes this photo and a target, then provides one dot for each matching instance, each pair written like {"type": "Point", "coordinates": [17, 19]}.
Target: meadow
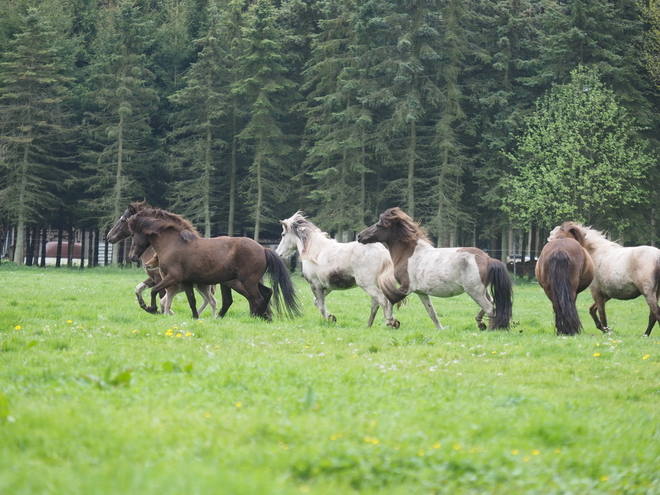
{"type": "Point", "coordinates": [99, 397]}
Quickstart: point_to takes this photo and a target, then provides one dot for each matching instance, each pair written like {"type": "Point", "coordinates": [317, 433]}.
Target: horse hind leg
{"type": "Point", "coordinates": [480, 320]}
{"type": "Point", "coordinates": [654, 315]}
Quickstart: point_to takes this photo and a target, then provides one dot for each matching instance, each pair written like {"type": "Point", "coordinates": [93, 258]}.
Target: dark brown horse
{"type": "Point", "coordinates": [564, 269]}
{"type": "Point", "coordinates": [186, 257]}
{"type": "Point", "coordinates": [443, 272]}
{"type": "Point", "coordinates": [121, 231]}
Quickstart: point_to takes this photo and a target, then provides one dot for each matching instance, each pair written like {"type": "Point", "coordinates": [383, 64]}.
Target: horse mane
{"type": "Point", "coordinates": [581, 233]}
{"type": "Point", "coordinates": [409, 231]}
{"type": "Point", "coordinates": [154, 221]}
{"type": "Point", "coordinates": [304, 230]}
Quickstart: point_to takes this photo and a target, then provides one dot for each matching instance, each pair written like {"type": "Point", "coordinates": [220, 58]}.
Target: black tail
{"type": "Point", "coordinates": [567, 319]}
{"type": "Point", "coordinates": [501, 289]}
{"type": "Point", "coordinates": [282, 284]}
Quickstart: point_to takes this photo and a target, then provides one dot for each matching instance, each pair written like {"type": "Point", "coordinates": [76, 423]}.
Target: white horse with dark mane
{"type": "Point", "coordinates": [330, 265]}
{"type": "Point", "coordinates": [621, 273]}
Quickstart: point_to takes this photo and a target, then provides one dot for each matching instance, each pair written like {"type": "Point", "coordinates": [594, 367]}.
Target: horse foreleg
{"type": "Point", "coordinates": [140, 288]}
{"type": "Point", "coordinates": [227, 297]}
{"type": "Point", "coordinates": [426, 301]}
{"type": "Point", "coordinates": [319, 302]}
{"type": "Point", "coordinates": [166, 282]}
{"type": "Point", "coordinates": [166, 302]}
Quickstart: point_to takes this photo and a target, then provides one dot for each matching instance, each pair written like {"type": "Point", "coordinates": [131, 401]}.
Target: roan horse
{"type": "Point", "coordinates": [564, 269]}
{"type": "Point", "coordinates": [120, 231]}
{"type": "Point", "coordinates": [621, 273]}
{"type": "Point", "coordinates": [330, 265]}
{"type": "Point", "coordinates": [444, 272]}
{"type": "Point", "coordinates": [186, 257]}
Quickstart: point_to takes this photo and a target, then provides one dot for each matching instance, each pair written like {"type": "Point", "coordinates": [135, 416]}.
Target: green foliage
{"type": "Point", "coordinates": [98, 396]}
{"type": "Point", "coordinates": [579, 158]}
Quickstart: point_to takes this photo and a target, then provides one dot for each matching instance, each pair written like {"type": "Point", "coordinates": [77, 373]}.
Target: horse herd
{"type": "Point", "coordinates": [390, 260]}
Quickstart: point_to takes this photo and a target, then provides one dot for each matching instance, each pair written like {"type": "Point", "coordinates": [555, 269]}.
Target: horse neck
{"type": "Point", "coordinates": [597, 244]}
{"type": "Point", "coordinates": [316, 242]}
{"type": "Point", "coordinates": [402, 251]}
{"type": "Point", "coordinates": [163, 239]}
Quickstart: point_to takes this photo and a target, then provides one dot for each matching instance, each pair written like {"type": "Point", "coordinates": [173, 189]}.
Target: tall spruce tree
{"type": "Point", "coordinates": [120, 141]}
{"type": "Point", "coordinates": [268, 92]}
{"type": "Point", "coordinates": [194, 157]}
{"type": "Point", "coordinates": [35, 83]}
{"type": "Point", "coordinates": [340, 131]}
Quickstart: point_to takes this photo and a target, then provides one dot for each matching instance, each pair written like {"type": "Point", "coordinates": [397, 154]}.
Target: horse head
{"type": "Point", "coordinates": [120, 230]}
{"type": "Point", "coordinates": [393, 225]}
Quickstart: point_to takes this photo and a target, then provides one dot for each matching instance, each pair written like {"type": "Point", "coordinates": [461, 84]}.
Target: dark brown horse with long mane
{"type": "Point", "coordinates": [443, 272]}
{"type": "Point", "coordinates": [186, 257]}
{"type": "Point", "coordinates": [564, 269]}
{"type": "Point", "coordinates": [121, 231]}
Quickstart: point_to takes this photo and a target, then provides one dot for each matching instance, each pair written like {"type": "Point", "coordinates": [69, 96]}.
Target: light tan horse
{"type": "Point", "coordinates": [621, 273]}
{"type": "Point", "coordinates": [565, 269]}
{"type": "Point", "coordinates": [443, 272]}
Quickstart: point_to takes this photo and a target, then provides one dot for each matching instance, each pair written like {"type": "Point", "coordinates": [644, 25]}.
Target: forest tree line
{"type": "Point", "coordinates": [474, 116]}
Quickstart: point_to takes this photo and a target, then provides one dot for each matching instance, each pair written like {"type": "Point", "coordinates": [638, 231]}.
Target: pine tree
{"type": "Point", "coordinates": [120, 140]}
{"type": "Point", "coordinates": [194, 157]}
{"type": "Point", "coordinates": [35, 84]}
{"type": "Point", "coordinates": [265, 87]}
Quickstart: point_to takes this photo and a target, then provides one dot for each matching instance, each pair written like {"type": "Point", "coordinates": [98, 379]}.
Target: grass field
{"type": "Point", "coordinates": [99, 397]}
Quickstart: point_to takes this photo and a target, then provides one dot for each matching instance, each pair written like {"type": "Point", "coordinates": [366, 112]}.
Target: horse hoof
{"type": "Point", "coordinates": [332, 319]}
{"type": "Point", "coordinates": [482, 326]}
{"type": "Point", "coordinates": [606, 329]}
{"type": "Point", "coordinates": [151, 309]}
{"type": "Point", "coordinates": [395, 324]}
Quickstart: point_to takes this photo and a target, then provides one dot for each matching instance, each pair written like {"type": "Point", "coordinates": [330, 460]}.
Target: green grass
{"type": "Point", "coordinates": [99, 397]}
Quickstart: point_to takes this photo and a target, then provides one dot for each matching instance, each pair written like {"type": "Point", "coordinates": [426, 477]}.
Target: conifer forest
{"type": "Point", "coordinates": [488, 121]}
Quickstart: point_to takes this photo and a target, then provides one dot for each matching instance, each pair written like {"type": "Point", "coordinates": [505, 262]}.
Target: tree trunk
{"type": "Point", "coordinates": [232, 179]}
{"type": "Point", "coordinates": [208, 166]}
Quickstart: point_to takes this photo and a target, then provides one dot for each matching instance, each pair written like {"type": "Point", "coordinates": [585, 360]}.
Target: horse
{"type": "Point", "coordinates": [121, 231]}
{"type": "Point", "coordinates": [563, 270]}
{"type": "Point", "coordinates": [621, 273]}
{"type": "Point", "coordinates": [330, 265]}
{"type": "Point", "coordinates": [151, 266]}
{"type": "Point", "coordinates": [443, 272]}
{"type": "Point", "coordinates": [186, 257]}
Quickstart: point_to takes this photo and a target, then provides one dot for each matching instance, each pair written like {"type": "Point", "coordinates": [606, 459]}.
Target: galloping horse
{"type": "Point", "coordinates": [564, 269]}
{"type": "Point", "coordinates": [444, 272]}
{"type": "Point", "coordinates": [120, 231]}
{"type": "Point", "coordinates": [329, 265]}
{"type": "Point", "coordinates": [186, 257]}
{"type": "Point", "coordinates": [621, 273]}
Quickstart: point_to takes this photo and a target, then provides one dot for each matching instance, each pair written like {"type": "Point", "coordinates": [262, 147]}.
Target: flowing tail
{"type": "Point", "coordinates": [282, 285]}
{"type": "Point", "coordinates": [567, 319]}
{"type": "Point", "coordinates": [501, 289]}
{"type": "Point", "coordinates": [387, 282]}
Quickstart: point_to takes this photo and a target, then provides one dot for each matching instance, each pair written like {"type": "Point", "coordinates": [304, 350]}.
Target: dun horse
{"type": "Point", "coordinates": [329, 265]}
{"type": "Point", "coordinates": [186, 257]}
{"type": "Point", "coordinates": [444, 272]}
{"type": "Point", "coordinates": [621, 273]}
{"type": "Point", "coordinates": [564, 269]}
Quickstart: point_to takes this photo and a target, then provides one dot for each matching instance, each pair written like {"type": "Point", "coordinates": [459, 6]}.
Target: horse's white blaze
{"type": "Point", "coordinates": [330, 265]}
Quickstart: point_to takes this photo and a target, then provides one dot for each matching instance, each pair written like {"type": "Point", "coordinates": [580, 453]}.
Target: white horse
{"type": "Point", "coordinates": [443, 272]}
{"type": "Point", "coordinates": [330, 265]}
{"type": "Point", "coordinates": [621, 273]}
